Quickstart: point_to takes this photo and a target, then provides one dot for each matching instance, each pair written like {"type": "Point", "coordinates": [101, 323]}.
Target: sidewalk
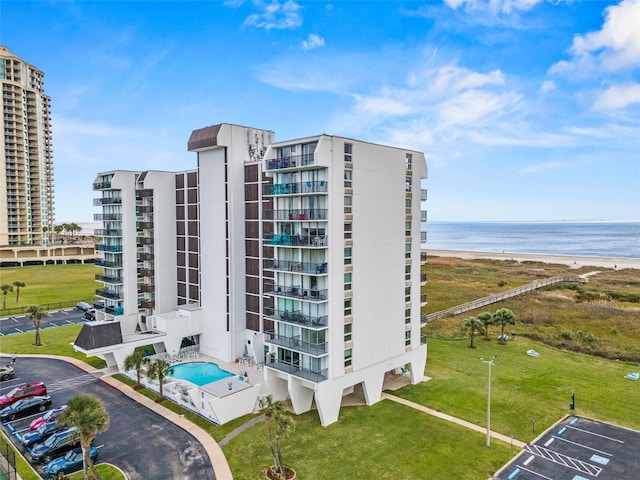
{"type": "Point", "coordinates": [449, 418]}
{"type": "Point", "coordinates": [218, 460]}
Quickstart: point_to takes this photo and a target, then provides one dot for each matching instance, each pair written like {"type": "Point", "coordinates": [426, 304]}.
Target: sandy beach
{"type": "Point", "coordinates": [570, 260]}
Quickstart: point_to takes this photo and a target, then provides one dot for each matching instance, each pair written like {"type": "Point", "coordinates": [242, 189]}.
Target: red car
{"type": "Point", "coordinates": [47, 417]}
{"type": "Point", "coordinates": [22, 391]}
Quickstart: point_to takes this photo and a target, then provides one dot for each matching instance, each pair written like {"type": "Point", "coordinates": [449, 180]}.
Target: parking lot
{"type": "Point", "coordinates": [54, 319]}
{"type": "Point", "coordinates": [577, 448]}
{"type": "Point", "coordinates": [140, 442]}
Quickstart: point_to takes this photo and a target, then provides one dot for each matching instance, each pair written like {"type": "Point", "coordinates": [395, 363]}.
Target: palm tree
{"type": "Point", "coordinates": [487, 319]}
{"type": "Point", "coordinates": [58, 229]}
{"type": "Point", "coordinates": [504, 317]}
{"type": "Point", "coordinates": [36, 313]}
{"type": "Point", "coordinates": [88, 415]}
{"type": "Point", "coordinates": [274, 412]}
{"type": "Point", "coordinates": [135, 361]}
{"type": "Point", "coordinates": [6, 288]}
{"type": "Point", "coordinates": [18, 286]}
{"type": "Point", "coordinates": [473, 325]}
{"type": "Point", "coordinates": [157, 370]}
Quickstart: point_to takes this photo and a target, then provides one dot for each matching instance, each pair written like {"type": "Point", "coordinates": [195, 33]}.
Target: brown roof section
{"type": "Point", "coordinates": [204, 137]}
{"type": "Point", "coordinates": [99, 334]}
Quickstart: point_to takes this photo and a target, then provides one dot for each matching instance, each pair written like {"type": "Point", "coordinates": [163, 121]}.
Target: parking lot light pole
{"type": "Point", "coordinates": [491, 363]}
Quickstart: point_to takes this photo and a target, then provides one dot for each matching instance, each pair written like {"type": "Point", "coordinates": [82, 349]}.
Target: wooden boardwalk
{"type": "Point", "coordinates": [465, 307]}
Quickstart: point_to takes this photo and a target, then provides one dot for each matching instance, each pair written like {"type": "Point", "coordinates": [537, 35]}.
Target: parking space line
{"type": "Point", "coordinates": [582, 445]}
{"type": "Point", "coordinates": [596, 434]}
{"type": "Point", "coordinates": [535, 473]}
{"type": "Point", "coordinates": [564, 460]}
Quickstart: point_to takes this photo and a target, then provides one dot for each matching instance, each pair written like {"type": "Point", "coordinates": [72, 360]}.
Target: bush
{"type": "Point", "coordinates": [567, 335]}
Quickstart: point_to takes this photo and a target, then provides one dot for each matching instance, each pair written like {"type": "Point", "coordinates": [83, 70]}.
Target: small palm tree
{"type": "Point", "coordinates": [88, 415]}
{"type": "Point", "coordinates": [473, 325]}
{"type": "Point", "coordinates": [36, 313]}
{"type": "Point", "coordinates": [18, 286]}
{"type": "Point", "coordinates": [275, 413]}
{"type": "Point", "coordinates": [135, 361]}
{"type": "Point", "coordinates": [504, 317]}
{"type": "Point", "coordinates": [158, 370]}
{"type": "Point", "coordinates": [6, 288]}
{"type": "Point", "coordinates": [487, 319]}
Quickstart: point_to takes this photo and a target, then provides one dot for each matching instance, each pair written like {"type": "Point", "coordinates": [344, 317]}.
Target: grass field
{"type": "Point", "coordinates": [49, 285]}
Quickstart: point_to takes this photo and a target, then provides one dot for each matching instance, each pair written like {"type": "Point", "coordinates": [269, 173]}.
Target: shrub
{"type": "Point", "coordinates": [567, 335]}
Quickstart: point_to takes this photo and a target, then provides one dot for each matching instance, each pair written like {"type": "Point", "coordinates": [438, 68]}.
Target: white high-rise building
{"type": "Point", "coordinates": [303, 255]}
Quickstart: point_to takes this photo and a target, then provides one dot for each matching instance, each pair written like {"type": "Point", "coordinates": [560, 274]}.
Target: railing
{"type": "Point", "coordinates": [290, 162]}
{"type": "Point", "coordinates": [147, 288]}
{"type": "Point", "coordinates": [146, 272]}
{"type": "Point", "coordinates": [146, 256]}
{"type": "Point", "coordinates": [144, 209]}
{"type": "Point", "coordinates": [114, 310]}
{"type": "Point", "coordinates": [147, 304]}
{"type": "Point", "coordinates": [99, 217]}
{"type": "Point", "coordinates": [295, 369]}
{"type": "Point", "coordinates": [101, 247]}
{"type": "Point", "coordinates": [109, 294]}
{"type": "Point", "coordinates": [107, 233]}
{"type": "Point", "coordinates": [296, 317]}
{"type": "Point", "coordinates": [101, 185]}
{"type": "Point", "coordinates": [465, 307]}
{"type": "Point", "coordinates": [319, 186]}
{"type": "Point", "coordinates": [106, 279]}
{"type": "Point", "coordinates": [107, 201]}
{"type": "Point", "coordinates": [297, 240]}
{"type": "Point", "coordinates": [299, 214]}
{"type": "Point", "coordinates": [295, 343]}
{"type": "Point", "coordinates": [423, 194]}
{"type": "Point", "coordinates": [103, 263]}
{"type": "Point", "coordinates": [9, 312]}
{"type": "Point", "coordinates": [147, 192]}
{"type": "Point", "coordinates": [296, 267]}
{"type": "Point", "coordinates": [296, 292]}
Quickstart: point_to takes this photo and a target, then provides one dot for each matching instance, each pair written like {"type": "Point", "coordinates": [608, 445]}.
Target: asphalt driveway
{"type": "Point", "coordinates": [139, 441]}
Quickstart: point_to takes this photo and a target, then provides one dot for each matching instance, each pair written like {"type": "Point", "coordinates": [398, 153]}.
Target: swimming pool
{"type": "Point", "coordinates": [199, 373]}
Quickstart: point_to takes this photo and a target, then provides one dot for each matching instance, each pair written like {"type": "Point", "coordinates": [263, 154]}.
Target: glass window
{"type": "Point", "coordinates": [347, 306]}
{"type": "Point", "coordinates": [347, 331]}
{"type": "Point", "coordinates": [347, 357]}
{"type": "Point", "coordinates": [348, 177]}
{"type": "Point", "coordinates": [347, 281]}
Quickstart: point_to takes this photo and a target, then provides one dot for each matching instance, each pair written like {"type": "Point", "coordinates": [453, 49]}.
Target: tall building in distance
{"type": "Point", "coordinates": [302, 256]}
{"type": "Point", "coordinates": [26, 169]}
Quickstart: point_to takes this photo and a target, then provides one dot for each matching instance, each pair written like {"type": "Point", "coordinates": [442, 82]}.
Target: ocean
{"type": "Point", "coordinates": [588, 239]}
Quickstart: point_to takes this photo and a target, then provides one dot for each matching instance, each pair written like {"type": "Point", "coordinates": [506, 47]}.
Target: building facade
{"type": "Point", "coordinates": [303, 256]}
{"type": "Point", "coordinates": [26, 170]}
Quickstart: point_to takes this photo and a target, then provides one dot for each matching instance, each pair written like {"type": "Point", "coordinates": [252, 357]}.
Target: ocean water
{"type": "Point", "coordinates": [592, 239]}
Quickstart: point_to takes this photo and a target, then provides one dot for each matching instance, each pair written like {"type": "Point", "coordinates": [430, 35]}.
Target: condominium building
{"type": "Point", "coordinates": [26, 169]}
{"type": "Point", "coordinates": [301, 256]}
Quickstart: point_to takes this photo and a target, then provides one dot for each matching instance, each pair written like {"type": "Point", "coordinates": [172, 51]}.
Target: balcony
{"type": "Point", "coordinates": [310, 294]}
{"type": "Point", "coordinates": [301, 214]}
{"type": "Point", "coordinates": [296, 267]}
{"type": "Point", "coordinates": [102, 185]}
{"type": "Point", "coordinates": [293, 161]}
{"type": "Point", "coordinates": [285, 240]}
{"type": "Point", "coordinates": [423, 319]}
{"type": "Point", "coordinates": [147, 304]}
{"type": "Point", "coordinates": [296, 318]}
{"type": "Point", "coordinates": [103, 263]}
{"type": "Point", "coordinates": [146, 256]}
{"type": "Point", "coordinates": [145, 241]}
{"type": "Point", "coordinates": [423, 215]}
{"type": "Point", "coordinates": [295, 343]}
{"type": "Point", "coordinates": [423, 237]}
{"type": "Point", "coordinates": [117, 310]}
{"type": "Point", "coordinates": [107, 279]}
{"type": "Point", "coordinates": [99, 217]}
{"type": "Point", "coordinates": [101, 247]}
{"type": "Point", "coordinates": [423, 299]}
{"type": "Point", "coordinates": [147, 288]}
{"type": "Point", "coordinates": [144, 209]}
{"type": "Point", "coordinates": [111, 294]}
{"type": "Point", "coordinates": [423, 278]}
{"type": "Point", "coordinates": [295, 188]}
{"type": "Point", "coordinates": [146, 272]}
{"type": "Point", "coordinates": [296, 370]}
{"type": "Point", "coordinates": [144, 193]}
{"type": "Point", "coordinates": [145, 225]}
{"type": "Point", "coordinates": [423, 194]}
{"type": "Point", "coordinates": [107, 201]}
{"type": "Point", "coordinates": [107, 233]}
{"type": "Point", "coordinates": [423, 257]}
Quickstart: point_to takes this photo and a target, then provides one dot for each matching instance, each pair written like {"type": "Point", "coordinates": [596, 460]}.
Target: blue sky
{"type": "Point", "coordinates": [527, 110]}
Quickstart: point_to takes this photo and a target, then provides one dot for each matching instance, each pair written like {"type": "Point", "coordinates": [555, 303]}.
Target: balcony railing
{"type": "Point", "coordinates": [423, 319]}
{"type": "Point", "coordinates": [297, 318]}
{"type": "Point", "coordinates": [295, 343]}
{"type": "Point", "coordinates": [301, 214]}
{"type": "Point", "coordinates": [311, 294]}
{"type": "Point", "coordinates": [423, 257]}
{"type": "Point", "coordinates": [423, 237]}
{"type": "Point", "coordinates": [104, 263]}
{"type": "Point", "coordinates": [145, 225]}
{"type": "Point", "coordinates": [423, 299]}
{"type": "Point", "coordinates": [107, 201]}
{"type": "Point", "coordinates": [146, 272]}
{"type": "Point", "coordinates": [423, 277]}
{"type": "Point", "coordinates": [297, 267]}
{"type": "Point", "coordinates": [99, 217]}
{"type": "Point", "coordinates": [297, 240]}
{"type": "Point", "coordinates": [295, 188]}
{"type": "Point", "coordinates": [117, 310]}
{"type": "Point", "coordinates": [146, 256]}
{"type": "Point", "coordinates": [113, 295]}
{"type": "Point", "coordinates": [107, 279]}
{"type": "Point", "coordinates": [295, 369]}
{"type": "Point", "coordinates": [101, 247]}
{"type": "Point", "coordinates": [146, 192]}
{"type": "Point", "coordinates": [423, 194]}
{"type": "Point", "coordinates": [147, 288]}
{"type": "Point", "coordinates": [290, 162]}
{"type": "Point", "coordinates": [101, 185]}
{"type": "Point", "coordinates": [107, 233]}
{"type": "Point", "coordinates": [144, 209]}
{"type": "Point", "coordinates": [147, 304]}
{"type": "Point", "coordinates": [145, 241]}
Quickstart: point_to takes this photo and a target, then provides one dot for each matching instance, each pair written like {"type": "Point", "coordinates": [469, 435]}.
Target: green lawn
{"type": "Point", "coordinates": [55, 286]}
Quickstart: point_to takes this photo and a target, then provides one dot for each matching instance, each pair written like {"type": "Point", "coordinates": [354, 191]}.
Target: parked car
{"type": "Point", "coordinates": [83, 306]}
{"type": "Point", "coordinates": [41, 433]}
{"type": "Point", "coordinates": [70, 462]}
{"type": "Point", "coordinates": [47, 417]}
{"type": "Point", "coordinates": [90, 314]}
{"type": "Point", "coordinates": [22, 391]}
{"type": "Point", "coordinates": [98, 304]}
{"type": "Point", "coordinates": [24, 407]}
{"type": "Point", "coordinates": [6, 372]}
{"type": "Point", "coordinates": [55, 445]}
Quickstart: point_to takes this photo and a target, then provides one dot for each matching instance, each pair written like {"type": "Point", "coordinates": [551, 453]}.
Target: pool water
{"type": "Point", "coordinates": [199, 373]}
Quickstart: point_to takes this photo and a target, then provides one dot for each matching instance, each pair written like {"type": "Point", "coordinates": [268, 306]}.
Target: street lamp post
{"type": "Point", "coordinates": [491, 363]}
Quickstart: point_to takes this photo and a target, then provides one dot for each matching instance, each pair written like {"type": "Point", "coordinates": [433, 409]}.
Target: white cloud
{"type": "Point", "coordinates": [543, 167]}
{"type": "Point", "coordinates": [618, 97]}
{"type": "Point", "coordinates": [313, 41]}
{"type": "Point", "coordinates": [277, 15]}
{"type": "Point", "coordinates": [547, 86]}
{"type": "Point", "coordinates": [614, 48]}
{"type": "Point", "coordinates": [493, 6]}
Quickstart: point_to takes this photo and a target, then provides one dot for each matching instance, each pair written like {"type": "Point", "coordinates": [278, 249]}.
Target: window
{"type": "Point", "coordinates": [407, 206]}
{"type": "Point", "coordinates": [348, 177]}
{"type": "Point", "coordinates": [408, 160]}
{"type": "Point", "coordinates": [347, 230]}
{"type": "Point", "coordinates": [347, 203]}
{"type": "Point", "coordinates": [407, 250]}
{"type": "Point", "coordinates": [407, 272]}
{"type": "Point", "coordinates": [347, 281]}
{"type": "Point", "coordinates": [347, 331]}
{"type": "Point", "coordinates": [407, 337]}
{"type": "Point", "coordinates": [347, 357]}
{"type": "Point", "coordinates": [348, 151]}
{"type": "Point", "coordinates": [347, 255]}
{"type": "Point", "coordinates": [347, 306]}
{"type": "Point", "coordinates": [407, 294]}
{"type": "Point", "coordinates": [407, 229]}
{"type": "Point", "coordinates": [407, 184]}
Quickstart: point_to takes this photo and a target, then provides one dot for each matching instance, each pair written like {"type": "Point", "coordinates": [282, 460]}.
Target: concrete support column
{"type": "Point", "coordinates": [372, 387]}
{"type": "Point", "coordinates": [328, 401]}
{"type": "Point", "coordinates": [301, 396]}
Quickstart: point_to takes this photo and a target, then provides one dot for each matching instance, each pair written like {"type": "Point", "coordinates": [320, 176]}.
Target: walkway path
{"type": "Point", "coordinates": [449, 418]}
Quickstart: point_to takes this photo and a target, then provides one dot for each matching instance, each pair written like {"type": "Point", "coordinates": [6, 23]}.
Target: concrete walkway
{"type": "Point", "coordinates": [218, 460]}
{"type": "Point", "coordinates": [449, 418]}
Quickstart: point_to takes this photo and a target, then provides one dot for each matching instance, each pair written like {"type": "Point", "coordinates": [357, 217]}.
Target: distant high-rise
{"type": "Point", "coordinates": [26, 169]}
